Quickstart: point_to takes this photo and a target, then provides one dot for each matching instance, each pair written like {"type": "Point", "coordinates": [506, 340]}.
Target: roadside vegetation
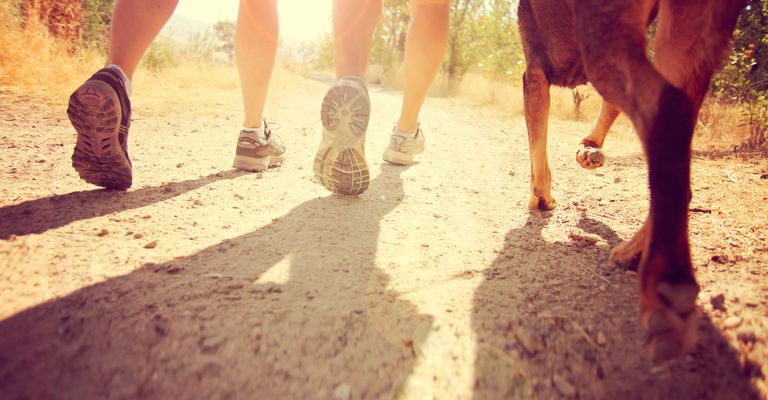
{"type": "Point", "coordinates": [54, 43]}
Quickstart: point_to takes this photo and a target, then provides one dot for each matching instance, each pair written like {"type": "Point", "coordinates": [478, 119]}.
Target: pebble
{"type": "Point", "coordinates": [617, 180]}
{"type": "Point", "coordinates": [151, 245]}
{"type": "Point", "coordinates": [746, 336]}
{"type": "Point", "coordinates": [138, 236]}
{"type": "Point", "coordinates": [342, 392]}
{"type": "Point", "coordinates": [212, 344]}
{"type": "Point", "coordinates": [562, 385]}
{"type": "Point", "coordinates": [197, 202]}
{"type": "Point", "coordinates": [179, 165]}
{"type": "Point", "coordinates": [659, 369]}
{"type": "Point", "coordinates": [732, 322]}
{"type": "Point", "coordinates": [531, 342]}
{"type": "Point", "coordinates": [601, 339]}
{"type": "Point", "coordinates": [103, 233]}
{"type": "Point", "coordinates": [718, 302]}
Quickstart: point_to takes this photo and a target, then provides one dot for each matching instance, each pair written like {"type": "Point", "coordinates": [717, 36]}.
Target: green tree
{"type": "Point", "coordinates": [463, 34]}
{"type": "Point", "coordinates": [97, 17]}
{"type": "Point", "coordinates": [388, 46]}
{"type": "Point", "coordinates": [225, 34]}
{"type": "Point", "coordinates": [744, 79]}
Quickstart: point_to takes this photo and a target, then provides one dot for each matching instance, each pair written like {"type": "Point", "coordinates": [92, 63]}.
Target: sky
{"type": "Point", "coordinates": [300, 20]}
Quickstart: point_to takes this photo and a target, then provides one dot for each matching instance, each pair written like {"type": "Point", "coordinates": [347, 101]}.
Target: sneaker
{"type": "Point", "coordinates": [340, 160]}
{"type": "Point", "coordinates": [255, 153]}
{"type": "Point", "coordinates": [403, 146]}
{"type": "Point", "coordinates": [100, 112]}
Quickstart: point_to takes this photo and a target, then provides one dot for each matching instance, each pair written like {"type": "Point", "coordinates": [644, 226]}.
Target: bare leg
{"type": "Point", "coordinates": [353, 24]}
{"type": "Point", "coordinates": [135, 24]}
{"type": "Point", "coordinates": [424, 50]}
{"type": "Point", "coordinates": [590, 154]}
{"type": "Point", "coordinates": [255, 48]}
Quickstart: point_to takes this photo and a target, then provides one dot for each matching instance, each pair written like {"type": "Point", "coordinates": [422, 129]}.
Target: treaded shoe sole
{"type": "Point", "coordinates": [251, 164]}
{"type": "Point", "coordinates": [94, 111]}
{"type": "Point", "coordinates": [340, 163]}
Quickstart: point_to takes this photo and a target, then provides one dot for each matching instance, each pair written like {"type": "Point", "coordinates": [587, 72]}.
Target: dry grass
{"type": "Point", "coordinates": [719, 127]}
{"type": "Point", "coordinates": [32, 59]}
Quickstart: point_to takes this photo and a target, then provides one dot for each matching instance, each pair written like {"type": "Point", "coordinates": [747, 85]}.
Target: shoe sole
{"type": "Point", "coordinates": [250, 164]}
{"type": "Point", "coordinates": [94, 111]}
{"type": "Point", "coordinates": [340, 163]}
{"type": "Point", "coordinates": [398, 158]}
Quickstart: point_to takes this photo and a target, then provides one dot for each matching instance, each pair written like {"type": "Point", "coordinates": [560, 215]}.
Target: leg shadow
{"type": "Point", "coordinates": [295, 309]}
{"type": "Point", "coordinates": [39, 215]}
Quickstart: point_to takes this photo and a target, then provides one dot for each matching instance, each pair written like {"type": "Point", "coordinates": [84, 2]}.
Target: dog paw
{"type": "Point", "coordinates": [590, 157]}
{"type": "Point", "coordinates": [542, 203]}
{"type": "Point", "coordinates": [670, 318]}
{"type": "Point", "coordinates": [627, 255]}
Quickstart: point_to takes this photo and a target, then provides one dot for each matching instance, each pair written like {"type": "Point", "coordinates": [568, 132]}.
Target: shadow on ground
{"type": "Point", "coordinates": [295, 309]}
{"type": "Point", "coordinates": [39, 215]}
{"type": "Point", "coordinates": [545, 318]}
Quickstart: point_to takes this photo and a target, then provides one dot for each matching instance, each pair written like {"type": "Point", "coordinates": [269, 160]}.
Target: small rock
{"type": "Point", "coordinates": [260, 175]}
{"type": "Point", "coordinates": [436, 215]}
{"type": "Point", "coordinates": [103, 233]}
{"type": "Point", "coordinates": [746, 336]}
{"type": "Point", "coordinates": [562, 385]}
{"type": "Point", "coordinates": [718, 302]}
{"type": "Point", "coordinates": [601, 339]}
{"type": "Point", "coordinates": [151, 245]}
{"type": "Point", "coordinates": [179, 165]}
{"type": "Point", "coordinates": [197, 202]}
{"type": "Point", "coordinates": [582, 240]}
{"type": "Point", "coordinates": [659, 369]}
{"type": "Point", "coordinates": [531, 342]}
{"type": "Point", "coordinates": [732, 322]}
{"type": "Point", "coordinates": [239, 196]}
{"type": "Point", "coordinates": [342, 392]}
{"type": "Point", "coordinates": [617, 180]}
{"type": "Point", "coordinates": [721, 259]}
{"type": "Point", "coordinates": [511, 173]}
{"type": "Point", "coordinates": [138, 236]}
{"type": "Point", "coordinates": [212, 344]}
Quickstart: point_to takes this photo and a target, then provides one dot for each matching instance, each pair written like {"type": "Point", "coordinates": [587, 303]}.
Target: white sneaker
{"type": "Point", "coordinates": [403, 146]}
{"type": "Point", "coordinates": [255, 153]}
{"type": "Point", "coordinates": [340, 163]}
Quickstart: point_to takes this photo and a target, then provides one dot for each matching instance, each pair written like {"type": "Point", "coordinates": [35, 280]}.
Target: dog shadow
{"type": "Point", "coordinates": [571, 328]}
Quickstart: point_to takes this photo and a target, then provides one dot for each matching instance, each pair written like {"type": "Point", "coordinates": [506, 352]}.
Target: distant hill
{"type": "Point", "coordinates": [181, 27]}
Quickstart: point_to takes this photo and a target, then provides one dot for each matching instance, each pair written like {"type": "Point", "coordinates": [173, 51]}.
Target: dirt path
{"type": "Point", "coordinates": [204, 282]}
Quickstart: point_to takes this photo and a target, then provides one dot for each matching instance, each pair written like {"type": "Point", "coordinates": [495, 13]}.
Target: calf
{"type": "Point", "coordinates": [572, 42]}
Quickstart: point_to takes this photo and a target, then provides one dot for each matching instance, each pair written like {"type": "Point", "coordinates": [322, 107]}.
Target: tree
{"type": "Point", "coordinates": [97, 18]}
{"type": "Point", "coordinates": [225, 34]}
{"type": "Point", "coordinates": [462, 32]}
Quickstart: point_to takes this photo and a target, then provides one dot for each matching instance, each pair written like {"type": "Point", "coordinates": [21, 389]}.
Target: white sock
{"type": "Point", "coordinates": [258, 131]}
{"type": "Point", "coordinates": [123, 76]}
{"type": "Point", "coordinates": [411, 134]}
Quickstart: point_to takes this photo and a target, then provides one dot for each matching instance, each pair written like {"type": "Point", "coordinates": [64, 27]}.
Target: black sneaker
{"type": "Point", "coordinates": [100, 112]}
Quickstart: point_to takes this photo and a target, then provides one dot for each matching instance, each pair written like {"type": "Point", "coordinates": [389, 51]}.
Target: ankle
{"type": "Point", "coordinates": [123, 76]}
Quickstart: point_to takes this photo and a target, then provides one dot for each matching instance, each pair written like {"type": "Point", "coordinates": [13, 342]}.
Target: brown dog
{"type": "Point", "coordinates": [571, 42]}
